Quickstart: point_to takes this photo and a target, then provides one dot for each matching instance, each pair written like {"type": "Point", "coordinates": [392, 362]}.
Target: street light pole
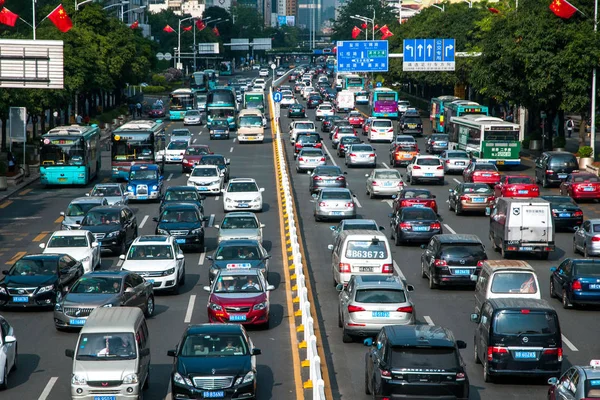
{"type": "Point", "coordinates": [593, 120]}
{"type": "Point", "coordinates": [33, 20]}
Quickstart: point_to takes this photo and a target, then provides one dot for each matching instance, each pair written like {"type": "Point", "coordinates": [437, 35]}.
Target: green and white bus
{"type": "Point", "coordinates": [486, 138]}
{"type": "Point", "coordinates": [459, 108]}
{"type": "Point", "coordinates": [436, 115]}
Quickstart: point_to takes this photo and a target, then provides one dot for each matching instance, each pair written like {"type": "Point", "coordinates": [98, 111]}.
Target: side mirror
{"type": "Point", "coordinates": [9, 339]}
{"type": "Point", "coordinates": [94, 245]}
{"type": "Point", "coordinates": [144, 352]}
{"type": "Point", "coordinates": [256, 352]}
{"type": "Point", "coordinates": [552, 269]}
{"type": "Point", "coordinates": [87, 195]}
{"type": "Point", "coordinates": [172, 353]}
{"type": "Point", "coordinates": [155, 219]}
{"type": "Point", "coordinates": [381, 228]}
{"type": "Point", "coordinates": [391, 215]}
{"type": "Point", "coordinates": [216, 226]}
{"type": "Point", "coordinates": [330, 247]}
{"type": "Point", "coordinates": [410, 288]}
{"type": "Point", "coordinates": [270, 288]}
{"type": "Point", "coordinates": [180, 256]}
{"type": "Point", "coordinates": [552, 381]}
{"type": "Point", "coordinates": [62, 213]}
{"type": "Point", "coordinates": [262, 225]}
{"type": "Point", "coordinates": [575, 228]}
{"type": "Point", "coordinates": [5, 272]}
{"type": "Point", "coordinates": [423, 246]}
{"type": "Point", "coordinates": [314, 196]}
{"type": "Point", "coordinates": [206, 288]}
{"type": "Point", "coordinates": [367, 175]}
{"type": "Point", "coordinates": [78, 222]}
{"type": "Point", "coordinates": [461, 344]}
{"type": "Point", "coordinates": [368, 342]}
{"type": "Point", "coordinates": [209, 257]}
{"type": "Point", "coordinates": [339, 287]}
{"type": "Point", "coordinates": [122, 257]}
{"type": "Point", "coordinates": [69, 353]}
{"type": "Point", "coordinates": [345, 173]}
{"type": "Point", "coordinates": [332, 228]}
{"type": "Point", "coordinates": [130, 290]}
{"type": "Point", "coordinates": [475, 317]}
{"type": "Point", "coordinates": [202, 197]}
{"type": "Point", "coordinates": [261, 189]}
{"type": "Point", "coordinates": [42, 245]}
{"type": "Point", "coordinates": [451, 191]}
{"type": "Point", "coordinates": [188, 175]}
{"type": "Point", "coordinates": [161, 177]}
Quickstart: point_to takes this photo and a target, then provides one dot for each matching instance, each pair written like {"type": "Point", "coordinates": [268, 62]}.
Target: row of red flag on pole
{"type": "Point", "coordinates": [199, 24]}
{"type": "Point", "coordinates": [58, 17]}
{"type": "Point", "coordinates": [385, 31]}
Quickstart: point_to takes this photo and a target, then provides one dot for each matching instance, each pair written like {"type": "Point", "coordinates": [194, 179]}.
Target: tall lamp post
{"type": "Point", "coordinates": [179, 41]}
{"type": "Point", "coordinates": [593, 119]}
{"type": "Point", "coordinates": [121, 4]}
{"type": "Point", "coordinates": [367, 20]}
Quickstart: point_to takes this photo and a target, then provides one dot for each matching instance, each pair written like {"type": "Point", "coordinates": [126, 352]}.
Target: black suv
{"type": "Point", "coordinates": [184, 222]}
{"type": "Point", "coordinates": [553, 167]}
{"type": "Point", "coordinates": [114, 227]}
{"type": "Point", "coordinates": [415, 361]}
{"type": "Point", "coordinates": [518, 337]}
{"type": "Point", "coordinates": [451, 259]}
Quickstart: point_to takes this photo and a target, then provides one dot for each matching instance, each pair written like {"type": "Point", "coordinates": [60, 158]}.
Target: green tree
{"type": "Point", "coordinates": [342, 27]}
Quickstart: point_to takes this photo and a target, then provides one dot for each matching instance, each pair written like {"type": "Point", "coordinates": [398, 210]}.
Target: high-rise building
{"type": "Point", "coordinates": [291, 8]}
{"type": "Point", "coordinates": [194, 8]}
{"type": "Point", "coordinates": [306, 14]}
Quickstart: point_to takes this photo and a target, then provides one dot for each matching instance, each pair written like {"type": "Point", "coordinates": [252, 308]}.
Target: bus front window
{"type": "Point", "coordinates": [124, 151]}
{"type": "Point", "coordinates": [181, 102]}
{"type": "Point", "coordinates": [62, 152]}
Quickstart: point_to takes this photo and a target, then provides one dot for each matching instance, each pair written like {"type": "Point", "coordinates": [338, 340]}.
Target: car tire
{"type": "Point", "coordinates": [397, 241]}
{"type": "Point", "coordinates": [123, 248]}
{"type": "Point", "coordinates": [4, 384]}
{"type": "Point", "coordinates": [340, 322]}
{"type": "Point", "coordinates": [486, 374]}
{"type": "Point", "coordinates": [149, 312]}
{"type": "Point", "coordinates": [545, 182]}
{"type": "Point", "coordinates": [575, 250]}
{"type": "Point", "coordinates": [371, 194]}
{"type": "Point", "coordinates": [367, 390]}
{"type": "Point", "coordinates": [432, 284]}
{"type": "Point", "coordinates": [475, 353]}
{"type": "Point", "coordinates": [457, 209]}
{"type": "Point", "coordinates": [182, 279]}
{"type": "Point", "coordinates": [585, 251]}
{"type": "Point", "coordinates": [423, 273]}
{"type": "Point", "coordinates": [346, 338]}
{"type": "Point", "coordinates": [552, 289]}
{"type": "Point", "coordinates": [565, 300]}
{"type": "Point", "coordinates": [450, 208]}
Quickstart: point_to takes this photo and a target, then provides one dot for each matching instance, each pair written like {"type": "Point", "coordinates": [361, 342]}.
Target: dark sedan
{"type": "Point", "coordinates": [328, 122]}
{"type": "Point", "coordinates": [326, 176]}
{"type": "Point", "coordinates": [296, 111]}
{"type": "Point", "coordinates": [314, 101]}
{"type": "Point", "coordinates": [184, 222]}
{"type": "Point", "coordinates": [565, 212]}
{"type": "Point", "coordinates": [114, 227]}
{"type": "Point", "coordinates": [38, 280]}
{"type": "Point", "coordinates": [240, 253]}
{"type": "Point", "coordinates": [183, 194]}
{"type": "Point", "coordinates": [346, 141]}
{"type": "Point", "coordinates": [576, 281]}
{"type": "Point", "coordinates": [218, 129]}
{"type": "Point", "coordinates": [414, 224]}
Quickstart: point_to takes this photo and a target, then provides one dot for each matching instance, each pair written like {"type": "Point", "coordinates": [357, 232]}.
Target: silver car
{"type": "Point", "coordinates": [334, 203]}
{"type": "Point", "coordinates": [192, 117]}
{"type": "Point", "coordinates": [114, 193]}
{"type": "Point", "coordinates": [585, 239]}
{"type": "Point", "coordinates": [359, 155]}
{"type": "Point", "coordinates": [240, 225]}
{"type": "Point", "coordinates": [181, 135]}
{"type": "Point", "coordinates": [77, 209]}
{"type": "Point", "coordinates": [368, 303]}
{"type": "Point", "coordinates": [455, 160]}
{"type": "Point", "coordinates": [309, 159]}
{"type": "Point", "coordinates": [354, 224]}
{"type": "Point", "coordinates": [384, 182]}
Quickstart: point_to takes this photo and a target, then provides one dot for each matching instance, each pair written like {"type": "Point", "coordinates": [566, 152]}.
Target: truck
{"type": "Point", "coordinates": [345, 101]}
{"type": "Point", "coordinates": [254, 100]}
{"type": "Point", "coordinates": [250, 126]}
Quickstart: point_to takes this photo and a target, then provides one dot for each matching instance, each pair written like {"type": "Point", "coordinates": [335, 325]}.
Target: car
{"type": "Point", "coordinates": [383, 182]}
{"type": "Point", "coordinates": [292, 77]}
{"type": "Point", "coordinates": [411, 125]}
{"type": "Point", "coordinates": [301, 126]}
{"type": "Point", "coordinates": [287, 100]}
{"type": "Point", "coordinates": [240, 225]}
{"type": "Point", "coordinates": [425, 168]}
{"type": "Point", "coordinates": [481, 172]}
{"type": "Point", "coordinates": [360, 155]}
{"type": "Point", "coordinates": [326, 176]}
{"type": "Point", "coordinates": [192, 117]}
{"type": "Point", "coordinates": [362, 98]}
{"type": "Point", "coordinates": [414, 197]}
{"type": "Point", "coordinates": [403, 150]}
{"type": "Point", "coordinates": [586, 239]}
{"type": "Point", "coordinates": [226, 348]}
{"type": "Point", "coordinates": [334, 203]}
{"type": "Point", "coordinates": [112, 192]}
{"type": "Point", "coordinates": [366, 126]}
{"type": "Point", "coordinates": [437, 143]}
{"type": "Point", "coordinates": [339, 132]}
{"type": "Point", "coordinates": [238, 253]}
{"type": "Point", "coordinates": [517, 186]}
{"type": "Point", "coordinates": [470, 197]}
{"type": "Point", "coordinates": [183, 221]}
{"type": "Point", "coordinates": [346, 141]}
{"type": "Point", "coordinates": [113, 227]}
{"type": "Point", "coordinates": [355, 118]}
{"type": "Point", "coordinates": [403, 105]}
{"type": "Point", "coordinates": [38, 280]}
{"type": "Point", "coordinates": [566, 214]}
{"type": "Point", "coordinates": [256, 67]}
{"type": "Point", "coordinates": [218, 128]}
{"type": "Point", "coordinates": [145, 182]}
{"type": "Point", "coordinates": [279, 72]}
{"type": "Point", "coordinates": [77, 210]}
{"type": "Point", "coordinates": [381, 130]}
{"type": "Point", "coordinates": [328, 122]}
{"type": "Point", "coordinates": [553, 167]}
{"type": "Point", "coordinates": [79, 244]}
{"type": "Point", "coordinates": [157, 111]}
{"type": "Point", "coordinates": [577, 383]}
{"type": "Point", "coordinates": [298, 87]}
{"type": "Point", "coordinates": [394, 363]}
{"type": "Point", "coordinates": [263, 72]}
{"type": "Point", "coordinates": [323, 110]}
{"type": "Point", "coordinates": [182, 194]}
{"type": "Point", "coordinates": [414, 224]}
{"type": "Point", "coordinates": [370, 302]}
{"type": "Point", "coordinates": [309, 158]}
{"type": "Point", "coordinates": [307, 91]}
{"type": "Point", "coordinates": [8, 349]}
{"type": "Point", "coordinates": [296, 111]}
{"type": "Point", "coordinates": [159, 260]}
{"type": "Point", "coordinates": [192, 156]}
{"type": "Point", "coordinates": [338, 123]}
{"type": "Point", "coordinates": [241, 194]}
{"type": "Point", "coordinates": [259, 85]}
{"type": "Point", "coordinates": [581, 186]}
{"type": "Point", "coordinates": [307, 140]}
{"type": "Point", "coordinates": [575, 282]}
{"type": "Point", "coordinates": [353, 225]}
{"type": "Point", "coordinates": [452, 259]}
{"type": "Point", "coordinates": [102, 289]}
{"type": "Point", "coordinates": [181, 135]}
{"type": "Point", "coordinates": [173, 153]}
{"type": "Point", "coordinates": [313, 101]}
{"type": "Point", "coordinates": [218, 160]}
{"type": "Point", "coordinates": [206, 179]}
{"type": "Point", "coordinates": [455, 160]}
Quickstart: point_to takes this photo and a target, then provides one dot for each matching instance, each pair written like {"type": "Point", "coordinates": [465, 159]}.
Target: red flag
{"type": "Point", "coordinates": [385, 32]}
{"type": "Point", "coordinates": [135, 25]}
{"type": "Point", "coordinates": [1, 3]}
{"type": "Point", "coordinates": [8, 17]}
{"type": "Point", "coordinates": [355, 32]}
{"type": "Point", "coordinates": [334, 50]}
{"type": "Point", "coordinates": [494, 10]}
{"type": "Point", "coordinates": [376, 27]}
{"type": "Point", "coordinates": [216, 31]}
{"type": "Point", "coordinates": [364, 25]}
{"type": "Point", "coordinates": [60, 19]}
{"type": "Point", "coordinates": [168, 29]}
{"type": "Point", "coordinates": [563, 9]}
{"type": "Point", "coordinates": [187, 28]}
{"type": "Point", "coordinates": [200, 24]}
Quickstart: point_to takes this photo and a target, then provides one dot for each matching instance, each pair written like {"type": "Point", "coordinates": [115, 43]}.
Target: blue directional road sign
{"type": "Point", "coordinates": [362, 56]}
{"type": "Point", "coordinates": [277, 96]}
{"type": "Point", "coordinates": [378, 84]}
{"type": "Point", "coordinates": [428, 55]}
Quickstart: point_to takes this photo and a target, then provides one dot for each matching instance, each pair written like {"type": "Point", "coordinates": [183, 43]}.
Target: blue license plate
{"type": "Point", "coordinates": [588, 189]}
{"type": "Point", "coordinates": [419, 205]}
{"type": "Point", "coordinates": [487, 175]}
{"type": "Point", "coordinates": [525, 355]}
{"type": "Point", "coordinates": [99, 244]}
{"type": "Point", "coordinates": [420, 228]}
{"type": "Point", "coordinates": [329, 182]}
{"type": "Point", "coordinates": [594, 286]}
{"type": "Point", "coordinates": [202, 189]}
{"type": "Point", "coordinates": [142, 197]}
{"type": "Point", "coordinates": [460, 163]}
{"type": "Point", "coordinates": [564, 215]}
{"type": "Point", "coordinates": [244, 205]}
{"type": "Point", "coordinates": [20, 299]}
{"type": "Point", "coordinates": [428, 174]}
{"type": "Point", "coordinates": [77, 321]}
{"type": "Point", "coordinates": [441, 144]}
{"type": "Point", "coordinates": [380, 314]}
{"type": "Point", "coordinates": [213, 395]}
{"type": "Point", "coordinates": [237, 318]}
{"type": "Point", "coordinates": [526, 248]}
{"type": "Point", "coordinates": [105, 397]}
{"type": "Point", "coordinates": [336, 213]}
{"type": "Point", "coordinates": [523, 191]}
{"type": "Point", "coordinates": [562, 176]}
{"type": "Point", "coordinates": [462, 272]}
{"type": "Point", "coordinates": [179, 241]}
{"type": "Point", "coordinates": [388, 184]}
{"type": "Point", "coordinates": [150, 280]}
{"type": "Point", "coordinates": [478, 200]}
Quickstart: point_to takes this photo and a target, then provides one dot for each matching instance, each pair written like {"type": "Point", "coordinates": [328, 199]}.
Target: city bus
{"type": "Point", "coordinates": [485, 138]}
{"type": "Point", "coordinates": [353, 83]}
{"type": "Point", "coordinates": [225, 68]}
{"type": "Point", "coordinates": [181, 100]}
{"type": "Point", "coordinates": [199, 82]}
{"type": "Point", "coordinates": [459, 108]}
{"type": "Point", "coordinates": [221, 102]}
{"type": "Point", "coordinates": [384, 103]}
{"type": "Point", "coordinates": [213, 79]}
{"type": "Point", "coordinates": [70, 155]}
{"type": "Point", "coordinates": [138, 142]}
{"type": "Point", "coordinates": [436, 116]}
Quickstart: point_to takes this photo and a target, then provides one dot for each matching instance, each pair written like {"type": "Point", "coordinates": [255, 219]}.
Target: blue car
{"type": "Point", "coordinates": [145, 182]}
{"type": "Point", "coordinates": [576, 282]}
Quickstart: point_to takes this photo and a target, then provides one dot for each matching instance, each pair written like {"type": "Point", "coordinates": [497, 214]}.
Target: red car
{"type": "Point", "coordinates": [192, 156]}
{"type": "Point", "coordinates": [516, 186]}
{"type": "Point", "coordinates": [479, 172]}
{"type": "Point", "coordinates": [366, 127]}
{"type": "Point", "coordinates": [581, 185]}
{"type": "Point", "coordinates": [355, 118]}
{"type": "Point", "coordinates": [409, 197]}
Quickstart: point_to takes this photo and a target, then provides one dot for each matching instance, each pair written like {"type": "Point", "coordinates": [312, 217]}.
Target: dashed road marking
{"type": "Point", "coordinates": [330, 156]}
{"type": "Point", "coordinates": [231, 150]}
{"type": "Point", "coordinates": [385, 165]}
{"type": "Point", "coordinates": [170, 177]}
{"type": "Point", "coordinates": [48, 388]}
{"type": "Point", "coordinates": [6, 204]}
{"type": "Point", "coordinates": [202, 257]}
{"type": "Point", "coordinates": [16, 257]}
{"type": "Point", "coordinates": [569, 344]}
{"type": "Point", "coordinates": [120, 263]}
{"type": "Point", "coordinates": [456, 180]}
{"type": "Point", "coordinates": [357, 202]}
{"type": "Point", "coordinates": [399, 271]}
{"type": "Point", "coordinates": [234, 139]}
{"type": "Point", "coordinates": [190, 309]}
{"type": "Point", "coordinates": [24, 192]}
{"type": "Point", "coordinates": [388, 202]}
{"type": "Point", "coordinates": [216, 198]}
{"type": "Point", "coordinates": [449, 228]}
{"type": "Point", "coordinates": [40, 237]}
{"type": "Point", "coordinates": [144, 221]}
{"type": "Point", "coordinates": [428, 319]}
{"type": "Point", "coordinates": [211, 220]}
{"type": "Point", "coordinates": [194, 141]}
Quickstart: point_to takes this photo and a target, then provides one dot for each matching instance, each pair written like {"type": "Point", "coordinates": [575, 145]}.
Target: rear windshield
{"type": "Point", "coordinates": [331, 171]}
{"type": "Point", "coordinates": [588, 269]}
{"type": "Point", "coordinates": [439, 137]}
{"type": "Point", "coordinates": [311, 153]}
{"type": "Point", "coordinates": [514, 283]}
{"type": "Point", "coordinates": [382, 124]}
{"type": "Point", "coordinates": [380, 296]}
{"type": "Point", "coordinates": [563, 160]}
{"type": "Point", "coordinates": [407, 147]}
{"type": "Point", "coordinates": [524, 321]}
{"type": "Point", "coordinates": [429, 161]}
{"type": "Point", "coordinates": [358, 147]}
{"type": "Point", "coordinates": [457, 154]}
{"type": "Point", "coordinates": [463, 250]}
{"type": "Point", "coordinates": [412, 120]}
{"type": "Point", "coordinates": [423, 357]}
{"type": "Point", "coordinates": [366, 249]}
{"type": "Point", "coordinates": [520, 179]}
{"type": "Point", "coordinates": [485, 167]}
{"type": "Point", "coordinates": [417, 194]}
{"type": "Point", "coordinates": [421, 214]}
{"type": "Point", "coordinates": [478, 188]}
{"type": "Point", "coordinates": [586, 178]}
{"type": "Point", "coordinates": [341, 195]}
{"type": "Point", "coordinates": [390, 174]}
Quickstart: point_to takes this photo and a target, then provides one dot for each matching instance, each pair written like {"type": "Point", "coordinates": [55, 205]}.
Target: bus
{"type": "Point", "coordinates": [136, 142]}
{"type": "Point", "coordinates": [70, 155]}
{"type": "Point", "coordinates": [485, 138]}
{"type": "Point", "coordinates": [225, 68]}
{"type": "Point", "coordinates": [181, 100]}
{"type": "Point", "coordinates": [353, 83]}
{"type": "Point", "coordinates": [384, 103]}
{"type": "Point", "coordinates": [254, 100]}
{"type": "Point", "coordinates": [459, 108]}
{"type": "Point", "coordinates": [221, 102]}
{"type": "Point", "coordinates": [199, 82]}
{"type": "Point", "coordinates": [436, 116]}
{"type": "Point", "coordinates": [213, 79]}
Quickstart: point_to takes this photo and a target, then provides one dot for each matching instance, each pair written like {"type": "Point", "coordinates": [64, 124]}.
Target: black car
{"type": "Point", "coordinates": [553, 167]}
{"type": "Point", "coordinates": [296, 111]}
{"type": "Point", "coordinates": [114, 227]}
{"type": "Point", "coordinates": [218, 160]}
{"type": "Point", "coordinates": [307, 139]}
{"type": "Point", "coordinates": [38, 280]}
{"type": "Point", "coordinates": [313, 101]}
{"type": "Point", "coordinates": [326, 176]}
{"type": "Point", "coordinates": [182, 194]}
{"type": "Point", "coordinates": [327, 122]}
{"type": "Point", "coordinates": [346, 141]}
{"type": "Point", "coordinates": [411, 125]}
{"type": "Point", "coordinates": [214, 361]}
{"type": "Point", "coordinates": [566, 214]}
{"type": "Point", "coordinates": [451, 259]}
{"type": "Point", "coordinates": [415, 361]}
{"type": "Point", "coordinates": [185, 222]}
{"type": "Point", "coordinates": [414, 224]}
{"type": "Point", "coordinates": [218, 128]}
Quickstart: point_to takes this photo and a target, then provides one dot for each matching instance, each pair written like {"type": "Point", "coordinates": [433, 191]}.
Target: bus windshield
{"type": "Point", "coordinates": [250, 121]}
{"type": "Point", "coordinates": [386, 96]}
{"type": "Point", "coordinates": [221, 112]}
{"type": "Point", "coordinates": [221, 97]}
{"type": "Point", "coordinates": [198, 81]}
{"type": "Point", "coordinates": [354, 81]}
{"type": "Point", "coordinates": [501, 135]}
{"type": "Point", "coordinates": [132, 146]}
{"type": "Point", "coordinates": [181, 101]}
{"type": "Point", "coordinates": [62, 151]}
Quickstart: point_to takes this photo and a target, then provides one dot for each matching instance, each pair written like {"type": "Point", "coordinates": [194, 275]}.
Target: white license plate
{"type": "Point", "coordinates": [365, 269]}
{"type": "Point", "coordinates": [459, 163]}
{"type": "Point", "coordinates": [77, 321]}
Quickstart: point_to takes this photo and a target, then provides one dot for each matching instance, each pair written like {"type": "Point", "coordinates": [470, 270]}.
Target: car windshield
{"type": "Point", "coordinates": [335, 195]}
{"type": "Point", "coordinates": [519, 179]}
{"type": "Point", "coordinates": [366, 249]}
{"type": "Point", "coordinates": [196, 151]}
{"type": "Point", "coordinates": [192, 113]}
{"type": "Point", "coordinates": [439, 358]}
{"type": "Point", "coordinates": [181, 195]}
{"type": "Point", "coordinates": [212, 161]}
{"type": "Point", "coordinates": [29, 267]}
{"type": "Point", "coordinates": [68, 241]}
{"type": "Point", "coordinates": [150, 252]}
{"type": "Point", "coordinates": [421, 214]}
{"type": "Point", "coordinates": [429, 161]}
{"type": "Point", "coordinates": [239, 223]}
{"type": "Point", "coordinates": [514, 282]}
{"type": "Point", "coordinates": [105, 191]}
{"type": "Point", "coordinates": [587, 268]}
{"type": "Point", "coordinates": [238, 284]}
{"type": "Point", "coordinates": [241, 252]}
{"type": "Point", "coordinates": [177, 146]}
{"type": "Point", "coordinates": [380, 296]}
{"type": "Point", "coordinates": [79, 209]}
{"type": "Point", "coordinates": [97, 285]}
{"type": "Point", "coordinates": [250, 121]}
{"type": "Point", "coordinates": [181, 132]}
{"type": "Point", "coordinates": [477, 188]}
{"type": "Point", "coordinates": [214, 346]}
{"type": "Point", "coordinates": [143, 174]}
{"type": "Point", "coordinates": [485, 167]}
{"type": "Point", "coordinates": [174, 216]}
{"type": "Point", "coordinates": [311, 153]}
{"type": "Point", "coordinates": [529, 322]}
{"type": "Point", "coordinates": [219, 123]}
{"type": "Point", "coordinates": [567, 160]}
{"type": "Point", "coordinates": [203, 171]}
{"type": "Point", "coordinates": [390, 174]}
{"type": "Point", "coordinates": [416, 194]}
{"type": "Point", "coordinates": [102, 217]}
{"type": "Point", "coordinates": [240, 187]}
{"type": "Point", "coordinates": [102, 346]}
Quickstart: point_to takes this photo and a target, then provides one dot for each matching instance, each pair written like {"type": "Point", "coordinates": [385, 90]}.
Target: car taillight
{"type": "Point", "coordinates": [385, 373]}
{"type": "Point", "coordinates": [387, 269]}
{"type": "Point", "coordinates": [352, 155]}
{"type": "Point", "coordinates": [301, 159]}
{"type": "Point", "coordinates": [373, 130]}
{"type": "Point", "coordinates": [340, 178]}
{"type": "Point", "coordinates": [352, 308]}
{"type": "Point", "coordinates": [319, 145]}
{"type": "Point", "coordinates": [491, 198]}
{"type": "Point", "coordinates": [558, 352]}
{"type": "Point", "coordinates": [344, 267]}
{"type": "Point", "coordinates": [440, 263]}
{"type": "Point", "coordinates": [432, 142]}
{"type": "Point", "coordinates": [431, 204]}
{"type": "Point", "coordinates": [391, 130]}
{"type": "Point", "coordinates": [372, 155]}
{"type": "Point", "coordinates": [576, 285]}
{"type": "Point", "coordinates": [440, 167]}
{"type": "Point", "coordinates": [447, 161]}
{"type": "Point", "coordinates": [436, 225]}
{"type": "Point", "coordinates": [405, 225]}
{"type": "Point", "coordinates": [404, 203]}
{"type": "Point", "coordinates": [549, 171]}
{"type": "Point", "coordinates": [375, 183]}
{"type": "Point", "coordinates": [460, 376]}
{"type": "Point", "coordinates": [298, 145]}
{"type": "Point", "coordinates": [535, 189]}
{"type": "Point", "coordinates": [406, 309]}
{"type": "Point", "coordinates": [578, 214]}
{"type": "Point", "coordinates": [416, 167]}
{"type": "Point", "coordinates": [464, 198]}
{"type": "Point", "coordinates": [596, 238]}
{"type": "Point", "coordinates": [495, 350]}
{"type": "Point", "coordinates": [335, 136]}
{"type": "Point", "coordinates": [317, 178]}
{"type": "Point", "coordinates": [185, 161]}
{"type": "Point", "coordinates": [322, 204]}
{"type": "Point", "coordinates": [322, 158]}
{"type": "Point", "coordinates": [480, 263]}
{"type": "Point", "coordinates": [350, 204]}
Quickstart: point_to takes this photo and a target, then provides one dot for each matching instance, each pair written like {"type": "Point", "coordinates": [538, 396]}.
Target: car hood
{"type": "Point", "coordinates": [223, 366]}
{"type": "Point", "coordinates": [102, 228]}
{"type": "Point", "coordinates": [70, 220]}
{"type": "Point", "coordinates": [230, 234]}
{"type": "Point", "coordinates": [179, 225]}
{"type": "Point", "coordinates": [203, 179]}
{"type": "Point", "coordinates": [148, 265]}
{"type": "Point", "coordinates": [17, 281]}
{"type": "Point", "coordinates": [112, 200]}
{"type": "Point", "coordinates": [77, 253]}
{"type": "Point", "coordinates": [104, 370]}
{"type": "Point", "coordinates": [242, 195]}
{"type": "Point", "coordinates": [88, 299]}
{"type": "Point", "coordinates": [148, 182]}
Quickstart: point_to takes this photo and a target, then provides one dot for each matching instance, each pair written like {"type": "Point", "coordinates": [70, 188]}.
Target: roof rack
{"type": "Point", "coordinates": [68, 130]}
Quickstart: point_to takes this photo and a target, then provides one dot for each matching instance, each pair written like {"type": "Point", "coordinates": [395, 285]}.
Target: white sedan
{"type": "Point", "coordinates": [173, 153]}
{"type": "Point", "coordinates": [425, 168]}
{"type": "Point", "coordinates": [242, 194]}
{"type": "Point", "coordinates": [206, 179]}
{"type": "Point", "coordinates": [287, 100]}
{"type": "Point", "coordinates": [79, 244]}
{"type": "Point", "coordinates": [263, 72]}
{"type": "Point", "coordinates": [324, 110]}
{"type": "Point", "coordinates": [8, 352]}
{"type": "Point", "coordinates": [192, 117]}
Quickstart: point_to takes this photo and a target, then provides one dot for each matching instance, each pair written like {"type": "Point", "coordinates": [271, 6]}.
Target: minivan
{"type": "Point", "coordinates": [505, 279]}
{"type": "Point", "coordinates": [360, 252]}
{"type": "Point", "coordinates": [112, 355]}
{"type": "Point", "coordinates": [518, 337]}
{"type": "Point", "coordinates": [553, 167]}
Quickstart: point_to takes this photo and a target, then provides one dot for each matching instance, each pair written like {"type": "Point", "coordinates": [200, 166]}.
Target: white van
{"type": "Point", "coordinates": [505, 279]}
{"type": "Point", "coordinates": [345, 101]}
{"type": "Point", "coordinates": [360, 252]}
{"type": "Point", "coordinates": [250, 126]}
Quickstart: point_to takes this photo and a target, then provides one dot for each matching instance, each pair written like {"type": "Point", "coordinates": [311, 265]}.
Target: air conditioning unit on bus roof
{"type": "Point", "coordinates": [68, 130]}
{"type": "Point", "coordinates": [139, 125]}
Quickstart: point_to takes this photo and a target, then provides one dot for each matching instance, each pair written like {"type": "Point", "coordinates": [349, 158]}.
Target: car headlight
{"type": "Point", "coordinates": [190, 183]}
{"type": "Point", "coordinates": [259, 198]}
{"type": "Point", "coordinates": [85, 259]}
{"type": "Point", "coordinates": [162, 231]}
{"type": "Point", "coordinates": [249, 377]}
{"type": "Point", "coordinates": [109, 305]}
{"type": "Point", "coordinates": [3, 290]}
{"type": "Point", "coordinates": [130, 188]}
{"type": "Point", "coordinates": [78, 380]}
{"type": "Point", "coordinates": [196, 231]}
{"type": "Point", "coordinates": [131, 378]}
{"type": "Point", "coordinates": [45, 289]}
{"type": "Point", "coordinates": [215, 182]}
{"type": "Point", "coordinates": [215, 307]}
{"type": "Point", "coordinates": [154, 187]}
{"type": "Point", "coordinates": [228, 200]}
{"type": "Point", "coordinates": [58, 307]}
{"type": "Point", "coordinates": [170, 271]}
{"type": "Point", "coordinates": [182, 380]}
{"type": "Point", "coordinates": [261, 306]}
{"type": "Point", "coordinates": [113, 234]}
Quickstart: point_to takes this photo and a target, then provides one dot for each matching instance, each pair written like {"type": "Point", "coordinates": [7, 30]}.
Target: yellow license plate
{"type": "Point", "coordinates": [500, 162]}
{"type": "Point", "coordinates": [62, 179]}
{"type": "Point", "coordinates": [251, 138]}
{"type": "Point", "coordinates": [412, 125]}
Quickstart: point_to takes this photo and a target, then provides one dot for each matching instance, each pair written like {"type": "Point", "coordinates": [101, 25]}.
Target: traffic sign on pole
{"type": "Point", "coordinates": [160, 56]}
{"type": "Point", "coordinates": [277, 96]}
{"type": "Point", "coordinates": [428, 55]}
{"type": "Point", "coordinates": [168, 56]}
{"type": "Point", "coordinates": [362, 56]}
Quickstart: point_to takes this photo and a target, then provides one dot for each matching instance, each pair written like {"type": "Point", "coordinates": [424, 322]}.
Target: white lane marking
{"type": "Point", "coordinates": [329, 155]}
{"type": "Point", "coordinates": [568, 343]}
{"type": "Point", "coordinates": [211, 220]}
{"type": "Point", "coordinates": [231, 150]}
{"type": "Point", "coordinates": [357, 202]}
{"type": "Point", "coordinates": [190, 309]}
{"type": "Point", "coordinates": [48, 388]}
{"type": "Point", "coordinates": [428, 319]}
{"type": "Point", "coordinates": [456, 180]}
{"type": "Point", "coordinates": [194, 140]}
{"type": "Point", "coordinates": [388, 202]}
{"type": "Point", "coordinates": [144, 221]}
{"type": "Point", "coordinates": [449, 228]}
{"type": "Point", "coordinates": [120, 263]}
{"type": "Point", "coordinates": [169, 177]}
{"type": "Point", "coordinates": [234, 139]}
{"type": "Point", "coordinates": [202, 256]}
{"type": "Point", "coordinates": [385, 165]}
{"type": "Point", "coordinates": [216, 198]}
{"type": "Point", "coordinates": [399, 271]}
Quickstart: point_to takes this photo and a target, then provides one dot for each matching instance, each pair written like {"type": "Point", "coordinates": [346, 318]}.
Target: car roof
{"type": "Point", "coordinates": [240, 214]}
{"type": "Point", "coordinates": [213, 328]}
{"type": "Point", "coordinates": [153, 239]}
{"type": "Point", "coordinates": [238, 242]}
{"type": "Point", "coordinates": [112, 319]}
{"type": "Point", "coordinates": [105, 185]}
{"type": "Point", "coordinates": [370, 233]}
{"type": "Point", "coordinates": [175, 206]}
{"type": "Point", "coordinates": [448, 238]}
{"type": "Point", "coordinates": [520, 303]}
{"type": "Point", "coordinates": [109, 208]}
{"type": "Point", "coordinates": [112, 273]}
{"type": "Point", "coordinates": [378, 282]}
{"type": "Point", "coordinates": [76, 232]}
{"type": "Point", "coordinates": [238, 180]}
{"type": "Point", "coordinates": [499, 265]}
{"type": "Point", "coordinates": [419, 335]}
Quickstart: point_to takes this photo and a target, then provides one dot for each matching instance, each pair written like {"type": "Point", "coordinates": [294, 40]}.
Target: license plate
{"type": "Point", "coordinates": [336, 213]}
{"type": "Point", "coordinates": [142, 197]}
{"type": "Point", "coordinates": [99, 244]}
{"type": "Point", "coordinates": [428, 173]}
{"type": "Point", "coordinates": [251, 138]}
{"type": "Point", "coordinates": [588, 189]}
{"type": "Point", "coordinates": [364, 155]}
{"type": "Point", "coordinates": [380, 314]}
{"type": "Point", "coordinates": [77, 321]}
{"type": "Point", "coordinates": [420, 228]}
{"type": "Point", "coordinates": [213, 395]}
{"type": "Point", "coordinates": [462, 272]}
{"type": "Point", "coordinates": [523, 191]}
{"type": "Point", "coordinates": [202, 189]}
{"type": "Point", "coordinates": [594, 286]}
{"type": "Point", "coordinates": [418, 205]}
{"type": "Point", "coordinates": [459, 163]}
{"type": "Point", "coordinates": [105, 397]}
{"type": "Point", "coordinates": [564, 215]}
{"type": "Point", "coordinates": [329, 182]}
{"type": "Point", "coordinates": [387, 184]}
{"type": "Point", "coordinates": [487, 175]}
{"type": "Point", "coordinates": [20, 299]}
{"type": "Point", "coordinates": [412, 126]}
{"type": "Point", "coordinates": [314, 161]}
{"type": "Point", "coordinates": [150, 280]}
{"type": "Point", "coordinates": [527, 248]}
{"type": "Point", "coordinates": [407, 156]}
{"type": "Point", "coordinates": [525, 355]}
{"type": "Point", "coordinates": [179, 241]}
{"type": "Point", "coordinates": [562, 176]}
{"type": "Point", "coordinates": [243, 205]}
{"type": "Point", "coordinates": [235, 318]}
{"type": "Point", "coordinates": [365, 269]}
{"type": "Point", "coordinates": [62, 179]}
{"type": "Point", "coordinates": [477, 200]}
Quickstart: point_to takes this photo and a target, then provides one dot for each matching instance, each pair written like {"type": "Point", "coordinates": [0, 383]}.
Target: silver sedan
{"type": "Point", "coordinates": [360, 154]}
{"type": "Point", "coordinates": [309, 159]}
{"type": "Point", "coordinates": [455, 160]}
{"type": "Point", "coordinates": [384, 182]}
{"type": "Point", "coordinates": [334, 204]}
{"type": "Point", "coordinates": [585, 239]}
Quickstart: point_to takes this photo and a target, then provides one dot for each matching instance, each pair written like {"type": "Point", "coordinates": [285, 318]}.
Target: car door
{"type": "Point", "coordinates": [582, 234]}
{"type": "Point", "coordinates": [482, 332]}
{"type": "Point", "coordinates": [455, 195]}
{"type": "Point", "coordinates": [179, 262]}
{"type": "Point", "coordinates": [379, 361]}
{"type": "Point", "coordinates": [429, 255]}
{"type": "Point", "coordinates": [8, 349]}
{"type": "Point", "coordinates": [132, 298]}
{"type": "Point", "coordinates": [65, 271]}
{"type": "Point", "coordinates": [346, 297]}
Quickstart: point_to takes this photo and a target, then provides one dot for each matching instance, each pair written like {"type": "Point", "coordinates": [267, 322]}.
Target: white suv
{"type": "Point", "coordinates": [425, 168]}
{"type": "Point", "coordinates": [242, 194]}
{"type": "Point", "coordinates": [263, 72]}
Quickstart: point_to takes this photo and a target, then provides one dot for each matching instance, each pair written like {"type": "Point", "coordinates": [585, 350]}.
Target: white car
{"type": "Point", "coordinates": [8, 352]}
{"type": "Point", "coordinates": [286, 91]}
{"type": "Point", "coordinates": [173, 153]}
{"type": "Point", "coordinates": [260, 83]}
{"type": "Point", "coordinates": [256, 67]}
{"type": "Point", "coordinates": [206, 179]}
{"type": "Point", "coordinates": [192, 117]}
{"type": "Point", "coordinates": [79, 244]}
{"type": "Point", "coordinates": [287, 100]}
{"type": "Point", "coordinates": [381, 130]}
{"type": "Point", "coordinates": [403, 106]}
{"type": "Point", "coordinates": [324, 110]}
{"type": "Point", "coordinates": [158, 259]}
{"type": "Point", "coordinates": [263, 72]}
{"type": "Point", "coordinates": [425, 168]}
{"type": "Point", "coordinates": [306, 91]}
{"type": "Point", "coordinates": [242, 194]}
{"type": "Point", "coordinates": [301, 126]}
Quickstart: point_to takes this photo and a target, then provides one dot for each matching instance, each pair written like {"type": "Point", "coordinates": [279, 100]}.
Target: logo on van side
{"type": "Point", "coordinates": [516, 211]}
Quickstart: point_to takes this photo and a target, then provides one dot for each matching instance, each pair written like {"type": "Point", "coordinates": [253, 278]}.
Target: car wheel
{"type": "Point", "coordinates": [552, 289]}
{"type": "Point", "coordinates": [346, 338]}
{"type": "Point", "coordinates": [397, 241]}
{"type": "Point", "coordinates": [149, 307]}
{"type": "Point", "coordinates": [367, 390]}
{"type": "Point", "coordinates": [450, 205]}
{"type": "Point", "coordinates": [565, 300]}
{"type": "Point", "coordinates": [16, 362]}
{"type": "Point", "coordinates": [432, 284]}
{"type": "Point", "coordinates": [545, 182]}
{"type": "Point", "coordinates": [457, 209]}
{"type": "Point", "coordinates": [475, 355]}
{"type": "Point", "coordinates": [182, 279]}
{"type": "Point", "coordinates": [123, 248]}
{"type": "Point", "coordinates": [340, 322]}
{"type": "Point", "coordinates": [423, 273]}
{"type": "Point", "coordinates": [486, 374]}
{"type": "Point", "coordinates": [175, 289]}
{"type": "Point", "coordinates": [585, 251]}
{"type": "Point", "coordinates": [371, 194]}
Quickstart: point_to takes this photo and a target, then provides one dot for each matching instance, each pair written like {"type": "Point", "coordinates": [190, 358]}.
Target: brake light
{"type": "Point", "coordinates": [495, 350]}
{"type": "Point", "coordinates": [385, 373]}
{"type": "Point", "coordinates": [578, 214]}
{"type": "Point", "coordinates": [387, 269]}
{"type": "Point", "coordinates": [491, 198]}
{"type": "Point", "coordinates": [436, 225]}
{"type": "Point", "coordinates": [335, 136]}
{"type": "Point", "coordinates": [557, 351]}
{"type": "Point", "coordinates": [440, 167]}
{"type": "Point", "coordinates": [352, 309]}
{"type": "Point", "coordinates": [535, 189]}
{"type": "Point", "coordinates": [352, 155]}
{"type": "Point", "coordinates": [549, 171]}
{"type": "Point", "coordinates": [322, 204]}
{"type": "Point", "coordinates": [319, 145]}
{"type": "Point", "coordinates": [432, 142]}
{"type": "Point", "coordinates": [373, 130]}
{"type": "Point", "coordinates": [340, 178]}
{"type": "Point", "coordinates": [480, 263]}
{"type": "Point", "coordinates": [440, 263]}
{"type": "Point", "coordinates": [405, 225]}
{"type": "Point", "coordinates": [596, 238]}
{"type": "Point", "coordinates": [416, 167]}
{"type": "Point", "coordinates": [350, 205]}
{"type": "Point", "coordinates": [448, 161]}
{"type": "Point", "coordinates": [317, 178]}
{"type": "Point", "coordinates": [406, 309]}
{"type": "Point", "coordinates": [372, 155]}
{"type": "Point", "coordinates": [344, 267]}
{"type": "Point", "coordinates": [300, 158]}
{"type": "Point", "coordinates": [576, 285]}
{"type": "Point", "coordinates": [322, 158]}
{"type": "Point", "coordinates": [460, 376]}
{"type": "Point", "coordinates": [298, 145]}
{"type": "Point", "coordinates": [375, 183]}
